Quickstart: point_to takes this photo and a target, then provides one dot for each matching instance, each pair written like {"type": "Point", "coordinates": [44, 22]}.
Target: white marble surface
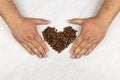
{"type": "Point", "coordinates": [102, 64]}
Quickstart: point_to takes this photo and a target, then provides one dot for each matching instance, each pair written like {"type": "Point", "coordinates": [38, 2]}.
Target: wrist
{"type": "Point", "coordinates": [103, 21]}
{"type": "Point", "coordinates": [97, 23]}
{"type": "Point", "coordinates": [13, 21]}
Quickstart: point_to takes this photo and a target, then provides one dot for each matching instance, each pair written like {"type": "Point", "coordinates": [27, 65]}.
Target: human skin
{"type": "Point", "coordinates": [93, 29]}
{"type": "Point", "coordinates": [24, 29]}
{"type": "Point", "coordinates": [92, 33]}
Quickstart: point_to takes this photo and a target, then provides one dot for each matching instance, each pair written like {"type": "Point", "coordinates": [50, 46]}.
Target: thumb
{"type": "Point", "coordinates": [39, 21]}
{"type": "Point", "coordinates": [76, 21]}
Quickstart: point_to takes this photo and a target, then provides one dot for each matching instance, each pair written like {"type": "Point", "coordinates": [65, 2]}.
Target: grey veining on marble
{"type": "Point", "coordinates": [102, 64]}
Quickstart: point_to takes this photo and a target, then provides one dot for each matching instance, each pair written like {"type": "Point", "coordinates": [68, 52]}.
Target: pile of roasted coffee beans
{"type": "Point", "coordinates": [59, 40]}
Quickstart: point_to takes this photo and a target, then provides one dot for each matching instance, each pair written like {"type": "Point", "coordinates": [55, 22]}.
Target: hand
{"type": "Point", "coordinates": [25, 33]}
{"type": "Point", "coordinates": [92, 32]}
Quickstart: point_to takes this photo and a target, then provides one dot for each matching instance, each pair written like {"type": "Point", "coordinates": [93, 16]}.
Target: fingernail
{"type": "Point", "coordinates": [46, 50]}
{"type": "Point", "coordinates": [73, 57]}
{"type": "Point", "coordinates": [78, 56]}
{"type": "Point", "coordinates": [86, 54]}
{"type": "Point", "coordinates": [45, 55]}
{"type": "Point", "coordinates": [40, 56]}
{"type": "Point", "coordinates": [32, 53]}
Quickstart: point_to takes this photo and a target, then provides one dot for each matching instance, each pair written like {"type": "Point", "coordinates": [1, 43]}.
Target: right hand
{"type": "Point", "coordinates": [26, 34]}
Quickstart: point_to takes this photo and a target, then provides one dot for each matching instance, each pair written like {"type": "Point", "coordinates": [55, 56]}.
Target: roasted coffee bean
{"type": "Point", "coordinates": [59, 40]}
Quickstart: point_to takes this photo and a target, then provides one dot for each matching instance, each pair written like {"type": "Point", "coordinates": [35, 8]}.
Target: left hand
{"type": "Point", "coordinates": [93, 31]}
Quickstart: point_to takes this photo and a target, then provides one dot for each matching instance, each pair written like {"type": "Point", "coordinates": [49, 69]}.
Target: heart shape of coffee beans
{"type": "Point", "coordinates": [59, 40]}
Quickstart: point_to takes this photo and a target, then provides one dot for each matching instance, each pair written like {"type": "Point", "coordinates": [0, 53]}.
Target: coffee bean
{"type": "Point", "coordinates": [59, 40]}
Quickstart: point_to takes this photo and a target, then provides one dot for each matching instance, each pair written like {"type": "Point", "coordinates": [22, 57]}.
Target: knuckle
{"type": "Point", "coordinates": [29, 37]}
{"type": "Point", "coordinates": [27, 40]}
{"type": "Point", "coordinates": [88, 40]}
{"type": "Point", "coordinates": [80, 47]}
{"type": "Point", "coordinates": [35, 35]}
{"type": "Point", "coordinates": [30, 45]}
{"type": "Point", "coordinates": [79, 38]}
{"type": "Point", "coordinates": [82, 36]}
{"type": "Point", "coordinates": [96, 41]}
{"type": "Point", "coordinates": [21, 41]}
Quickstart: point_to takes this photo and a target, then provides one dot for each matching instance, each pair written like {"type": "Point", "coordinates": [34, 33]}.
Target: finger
{"type": "Point", "coordinates": [40, 21]}
{"type": "Point", "coordinates": [37, 52]}
{"type": "Point", "coordinates": [35, 46]}
{"type": "Point", "coordinates": [76, 43]}
{"type": "Point", "coordinates": [39, 48]}
{"type": "Point", "coordinates": [87, 47]}
{"type": "Point", "coordinates": [34, 49]}
{"type": "Point", "coordinates": [28, 49]}
{"type": "Point", "coordinates": [32, 44]}
{"type": "Point", "coordinates": [41, 42]}
{"type": "Point", "coordinates": [90, 50]}
{"type": "Point", "coordinates": [81, 52]}
{"type": "Point", "coordinates": [76, 21]}
{"type": "Point", "coordinates": [42, 48]}
{"type": "Point", "coordinates": [42, 51]}
{"type": "Point", "coordinates": [78, 49]}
